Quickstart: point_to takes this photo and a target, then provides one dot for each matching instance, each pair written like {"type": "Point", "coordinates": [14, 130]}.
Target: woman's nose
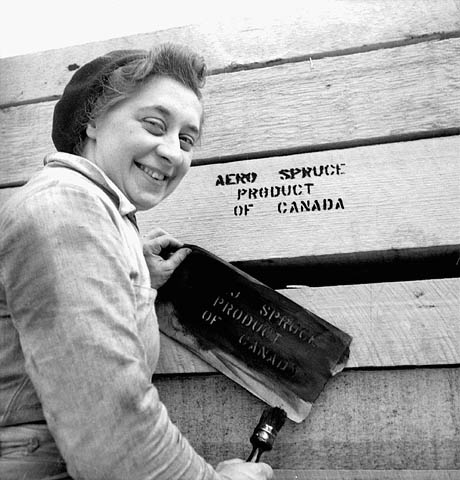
{"type": "Point", "coordinates": [170, 149]}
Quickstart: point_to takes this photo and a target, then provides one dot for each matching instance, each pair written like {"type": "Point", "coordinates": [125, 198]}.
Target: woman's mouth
{"type": "Point", "coordinates": [155, 174]}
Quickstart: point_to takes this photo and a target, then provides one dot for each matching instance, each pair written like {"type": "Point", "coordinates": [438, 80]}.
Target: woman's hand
{"type": "Point", "coordinates": [237, 469]}
{"type": "Point", "coordinates": [163, 254]}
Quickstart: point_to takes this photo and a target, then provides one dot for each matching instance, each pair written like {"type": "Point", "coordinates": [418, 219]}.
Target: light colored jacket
{"type": "Point", "coordinates": [79, 337]}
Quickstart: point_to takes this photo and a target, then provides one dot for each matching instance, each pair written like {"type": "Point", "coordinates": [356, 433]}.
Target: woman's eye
{"type": "Point", "coordinates": [186, 142]}
{"type": "Point", "coordinates": [154, 126]}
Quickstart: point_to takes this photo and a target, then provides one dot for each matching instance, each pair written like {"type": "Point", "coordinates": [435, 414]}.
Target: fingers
{"type": "Point", "coordinates": [163, 254]}
{"type": "Point", "coordinates": [176, 258]}
{"type": "Point", "coordinates": [237, 469]}
{"type": "Point", "coordinates": [154, 245]}
{"type": "Point", "coordinates": [154, 233]}
{"type": "Point", "coordinates": [260, 470]}
{"type": "Point", "coordinates": [267, 471]}
{"type": "Point", "coordinates": [231, 461]}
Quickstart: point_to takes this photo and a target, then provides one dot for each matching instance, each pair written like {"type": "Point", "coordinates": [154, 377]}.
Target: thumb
{"type": "Point", "coordinates": [232, 461]}
{"type": "Point", "coordinates": [266, 470]}
{"type": "Point", "coordinates": [177, 258]}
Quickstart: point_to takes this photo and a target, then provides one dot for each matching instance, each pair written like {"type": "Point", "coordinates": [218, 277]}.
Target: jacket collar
{"type": "Point", "coordinates": [95, 174]}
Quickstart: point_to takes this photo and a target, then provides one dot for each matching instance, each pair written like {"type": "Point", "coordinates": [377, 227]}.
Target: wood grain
{"type": "Point", "coordinates": [363, 420]}
{"type": "Point", "coordinates": [379, 94]}
{"type": "Point", "coordinates": [328, 27]}
{"type": "Point", "coordinates": [392, 324]}
{"type": "Point", "coordinates": [395, 196]}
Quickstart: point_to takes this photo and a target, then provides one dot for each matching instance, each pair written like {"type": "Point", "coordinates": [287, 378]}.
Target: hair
{"type": "Point", "coordinates": [174, 61]}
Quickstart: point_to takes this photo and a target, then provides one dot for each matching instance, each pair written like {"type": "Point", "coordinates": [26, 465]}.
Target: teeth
{"type": "Point", "coordinates": [154, 174]}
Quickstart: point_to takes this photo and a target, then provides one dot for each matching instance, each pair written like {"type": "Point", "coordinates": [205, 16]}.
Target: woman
{"type": "Point", "coordinates": [79, 335]}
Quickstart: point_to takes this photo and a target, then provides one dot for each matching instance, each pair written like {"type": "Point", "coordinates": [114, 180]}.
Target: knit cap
{"type": "Point", "coordinates": [71, 111]}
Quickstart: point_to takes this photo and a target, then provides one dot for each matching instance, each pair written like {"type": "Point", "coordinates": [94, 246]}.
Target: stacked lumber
{"type": "Point", "coordinates": [328, 169]}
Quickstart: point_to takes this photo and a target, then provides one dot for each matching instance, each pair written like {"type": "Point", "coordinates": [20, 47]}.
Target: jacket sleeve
{"type": "Point", "coordinates": [72, 302]}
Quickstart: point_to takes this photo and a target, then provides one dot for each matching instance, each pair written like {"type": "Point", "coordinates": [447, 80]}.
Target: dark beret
{"type": "Point", "coordinates": [85, 85]}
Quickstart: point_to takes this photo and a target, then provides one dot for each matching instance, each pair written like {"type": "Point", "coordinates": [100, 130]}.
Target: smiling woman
{"type": "Point", "coordinates": [146, 151]}
{"type": "Point", "coordinates": [78, 284]}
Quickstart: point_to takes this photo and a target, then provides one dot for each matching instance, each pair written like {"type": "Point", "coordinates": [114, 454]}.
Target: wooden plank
{"type": "Point", "coordinates": [363, 420]}
{"type": "Point", "coordinates": [408, 202]}
{"type": "Point", "coordinates": [392, 324]}
{"type": "Point", "coordinates": [367, 474]}
{"type": "Point", "coordinates": [325, 27]}
{"type": "Point", "coordinates": [385, 93]}
{"type": "Point", "coordinates": [394, 197]}
{"type": "Point", "coordinates": [33, 145]}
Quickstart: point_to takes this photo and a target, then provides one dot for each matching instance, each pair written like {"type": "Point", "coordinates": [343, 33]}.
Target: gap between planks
{"type": "Point", "coordinates": [310, 57]}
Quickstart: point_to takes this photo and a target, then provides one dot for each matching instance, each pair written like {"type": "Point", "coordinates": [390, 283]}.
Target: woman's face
{"type": "Point", "coordinates": [144, 143]}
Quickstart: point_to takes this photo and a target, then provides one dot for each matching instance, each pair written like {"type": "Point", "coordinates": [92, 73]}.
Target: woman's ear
{"type": "Point", "coordinates": [91, 129]}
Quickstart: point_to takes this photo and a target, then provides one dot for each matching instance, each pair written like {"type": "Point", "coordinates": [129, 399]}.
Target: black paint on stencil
{"type": "Point", "coordinates": [225, 309]}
